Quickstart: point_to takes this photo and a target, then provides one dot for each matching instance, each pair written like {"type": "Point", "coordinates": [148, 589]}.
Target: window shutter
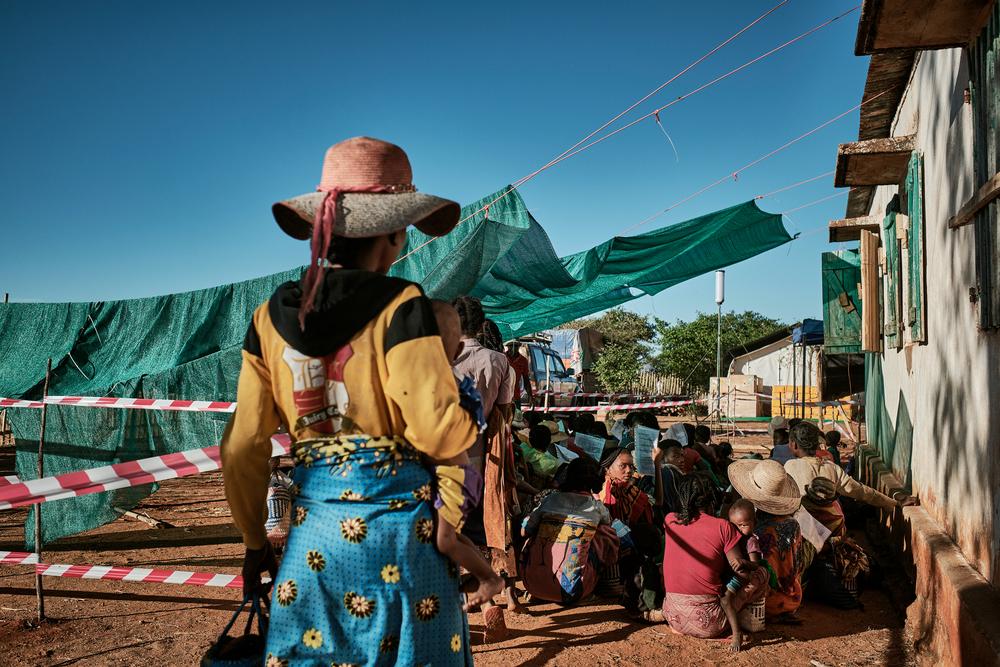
{"type": "Point", "coordinates": [892, 268]}
{"type": "Point", "coordinates": [841, 305]}
{"type": "Point", "coordinates": [871, 333]}
{"type": "Point", "coordinates": [984, 75]}
{"type": "Point", "coordinates": [915, 311]}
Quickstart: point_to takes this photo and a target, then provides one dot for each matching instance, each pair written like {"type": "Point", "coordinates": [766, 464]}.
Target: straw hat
{"type": "Point", "coordinates": [778, 423]}
{"type": "Point", "coordinates": [370, 186]}
{"type": "Point", "coordinates": [766, 485]}
{"type": "Point", "coordinates": [557, 435]}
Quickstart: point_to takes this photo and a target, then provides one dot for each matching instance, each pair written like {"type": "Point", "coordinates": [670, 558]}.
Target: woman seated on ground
{"type": "Point", "coordinates": [776, 496]}
{"type": "Point", "coordinates": [620, 493]}
{"type": "Point", "coordinates": [806, 441]}
{"type": "Point", "coordinates": [701, 553]}
{"type": "Point", "coordinates": [569, 538]}
{"type": "Point", "coordinates": [638, 563]}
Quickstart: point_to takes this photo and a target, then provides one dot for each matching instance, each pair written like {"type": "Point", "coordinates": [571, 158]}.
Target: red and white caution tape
{"type": "Point", "coordinates": [132, 403]}
{"type": "Point", "coordinates": [137, 574]}
{"type": "Point", "coordinates": [625, 406]}
{"type": "Point", "coordinates": [18, 403]}
{"type": "Point", "coordinates": [121, 475]}
{"type": "Point", "coordinates": [18, 558]}
{"type": "Point", "coordinates": [6, 480]}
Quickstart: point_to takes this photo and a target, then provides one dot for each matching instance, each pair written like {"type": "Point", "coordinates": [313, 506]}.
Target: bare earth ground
{"type": "Point", "coordinates": [123, 623]}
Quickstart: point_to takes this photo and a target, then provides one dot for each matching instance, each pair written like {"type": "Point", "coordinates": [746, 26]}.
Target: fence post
{"type": "Point", "coordinates": [39, 593]}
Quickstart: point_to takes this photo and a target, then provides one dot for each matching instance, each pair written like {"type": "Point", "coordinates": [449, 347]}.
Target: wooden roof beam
{"type": "Point", "coordinates": [849, 229]}
{"type": "Point", "coordinates": [882, 161]}
{"type": "Point", "coordinates": [886, 25]}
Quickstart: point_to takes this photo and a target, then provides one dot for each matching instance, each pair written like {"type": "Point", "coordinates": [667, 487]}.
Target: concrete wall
{"type": "Point", "coordinates": [949, 387]}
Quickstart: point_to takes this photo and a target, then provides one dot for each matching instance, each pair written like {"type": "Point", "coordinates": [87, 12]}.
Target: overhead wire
{"type": "Point", "coordinates": [581, 146]}
{"type": "Point", "coordinates": [734, 174]}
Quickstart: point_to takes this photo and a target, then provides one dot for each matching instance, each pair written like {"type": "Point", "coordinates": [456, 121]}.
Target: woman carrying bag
{"type": "Point", "coordinates": [351, 363]}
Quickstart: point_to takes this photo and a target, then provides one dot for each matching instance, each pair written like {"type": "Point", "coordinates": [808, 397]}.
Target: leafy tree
{"type": "Point", "coordinates": [618, 366]}
{"type": "Point", "coordinates": [687, 349]}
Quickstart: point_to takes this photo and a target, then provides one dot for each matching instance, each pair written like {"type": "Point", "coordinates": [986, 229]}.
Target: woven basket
{"type": "Point", "coordinates": [751, 617]}
{"type": "Point", "coordinates": [851, 586]}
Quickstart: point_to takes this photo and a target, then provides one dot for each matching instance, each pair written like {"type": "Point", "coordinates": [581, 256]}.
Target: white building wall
{"type": "Point", "coordinates": [951, 385]}
{"type": "Point", "coordinates": [774, 364]}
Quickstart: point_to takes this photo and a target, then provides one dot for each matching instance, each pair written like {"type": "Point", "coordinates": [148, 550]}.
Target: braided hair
{"type": "Point", "coordinates": [695, 494]}
{"type": "Point", "coordinates": [470, 311]}
{"type": "Point", "coordinates": [490, 336]}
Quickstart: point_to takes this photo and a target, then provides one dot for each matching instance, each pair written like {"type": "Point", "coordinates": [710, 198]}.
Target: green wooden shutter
{"type": "Point", "coordinates": [841, 305]}
{"type": "Point", "coordinates": [914, 317]}
{"type": "Point", "coordinates": [892, 268]}
{"type": "Point", "coordinates": [984, 76]}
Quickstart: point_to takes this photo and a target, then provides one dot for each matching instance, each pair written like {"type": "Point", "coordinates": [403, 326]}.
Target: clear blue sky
{"type": "Point", "coordinates": [143, 143]}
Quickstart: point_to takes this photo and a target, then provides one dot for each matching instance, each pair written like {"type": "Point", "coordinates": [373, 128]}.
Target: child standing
{"type": "Point", "coordinates": [459, 485]}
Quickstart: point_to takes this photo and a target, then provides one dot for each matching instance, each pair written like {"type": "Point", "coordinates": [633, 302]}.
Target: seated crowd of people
{"type": "Point", "coordinates": [708, 544]}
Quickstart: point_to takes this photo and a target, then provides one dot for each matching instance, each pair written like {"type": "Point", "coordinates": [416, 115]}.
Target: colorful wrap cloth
{"type": "Point", "coordinates": [702, 616]}
{"type": "Point", "coordinates": [562, 561]}
{"type": "Point", "coordinates": [627, 503]}
{"type": "Point", "coordinates": [788, 556]}
{"type": "Point", "coordinates": [361, 581]}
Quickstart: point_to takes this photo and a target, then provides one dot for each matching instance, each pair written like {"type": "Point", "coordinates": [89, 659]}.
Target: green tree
{"type": "Point", "coordinates": [687, 349]}
{"type": "Point", "coordinates": [628, 339]}
{"type": "Point", "coordinates": [618, 366]}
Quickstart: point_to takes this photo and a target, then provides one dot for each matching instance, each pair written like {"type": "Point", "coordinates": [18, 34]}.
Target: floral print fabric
{"type": "Point", "coordinates": [361, 582]}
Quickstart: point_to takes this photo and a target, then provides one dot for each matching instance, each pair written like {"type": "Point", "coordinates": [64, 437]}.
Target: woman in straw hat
{"type": "Point", "coordinates": [776, 496]}
{"type": "Point", "coordinates": [351, 363]}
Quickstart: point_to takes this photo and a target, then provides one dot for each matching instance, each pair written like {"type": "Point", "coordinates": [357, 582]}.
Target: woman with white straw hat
{"type": "Point", "coordinates": [350, 361]}
{"type": "Point", "coordinates": [776, 496]}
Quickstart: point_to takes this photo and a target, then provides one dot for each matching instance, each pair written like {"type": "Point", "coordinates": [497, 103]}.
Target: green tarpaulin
{"type": "Point", "coordinates": [187, 345]}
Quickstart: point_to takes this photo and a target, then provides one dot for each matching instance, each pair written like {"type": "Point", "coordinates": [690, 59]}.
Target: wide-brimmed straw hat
{"type": "Point", "coordinates": [370, 185]}
{"type": "Point", "coordinates": [557, 435]}
{"type": "Point", "coordinates": [766, 485]}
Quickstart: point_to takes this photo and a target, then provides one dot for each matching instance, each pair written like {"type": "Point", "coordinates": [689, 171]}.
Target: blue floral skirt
{"type": "Point", "coordinates": [361, 582]}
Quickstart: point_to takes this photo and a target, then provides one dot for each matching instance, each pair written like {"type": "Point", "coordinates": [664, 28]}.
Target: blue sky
{"type": "Point", "coordinates": [143, 143]}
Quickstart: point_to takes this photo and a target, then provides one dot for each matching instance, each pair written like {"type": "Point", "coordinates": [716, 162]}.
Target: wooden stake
{"type": "Point", "coordinates": [39, 593]}
{"type": "Point", "coordinates": [6, 297]}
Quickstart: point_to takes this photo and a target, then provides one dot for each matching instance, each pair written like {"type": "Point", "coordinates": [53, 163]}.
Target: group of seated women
{"type": "Point", "coordinates": [706, 544]}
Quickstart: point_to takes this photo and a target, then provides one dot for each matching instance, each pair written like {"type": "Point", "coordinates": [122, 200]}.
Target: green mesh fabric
{"type": "Point", "coordinates": [177, 346]}
{"type": "Point", "coordinates": [526, 287]}
{"type": "Point", "coordinates": [187, 345]}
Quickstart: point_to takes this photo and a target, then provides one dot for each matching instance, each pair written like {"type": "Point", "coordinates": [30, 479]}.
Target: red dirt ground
{"type": "Point", "coordinates": [121, 623]}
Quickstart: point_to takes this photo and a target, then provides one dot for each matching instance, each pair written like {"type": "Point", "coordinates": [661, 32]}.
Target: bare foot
{"type": "Point", "coordinates": [484, 592]}
{"type": "Point", "coordinates": [513, 604]}
{"type": "Point", "coordinates": [735, 644]}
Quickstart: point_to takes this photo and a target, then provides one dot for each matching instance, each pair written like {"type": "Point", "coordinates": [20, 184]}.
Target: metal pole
{"type": "Point", "coordinates": [548, 384]}
{"type": "Point", "coordinates": [39, 593]}
{"type": "Point", "coordinates": [795, 389]}
{"type": "Point", "coordinates": [720, 298]}
{"type": "Point", "coordinates": [6, 297]}
{"type": "Point", "coordinates": [718, 362]}
{"type": "Point", "coordinates": [804, 376]}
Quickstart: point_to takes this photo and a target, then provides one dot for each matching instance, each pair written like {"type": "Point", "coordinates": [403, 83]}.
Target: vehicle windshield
{"type": "Point", "coordinates": [555, 365]}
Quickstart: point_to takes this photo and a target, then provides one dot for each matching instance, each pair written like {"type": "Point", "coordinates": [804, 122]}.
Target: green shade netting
{"type": "Point", "coordinates": [187, 345]}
